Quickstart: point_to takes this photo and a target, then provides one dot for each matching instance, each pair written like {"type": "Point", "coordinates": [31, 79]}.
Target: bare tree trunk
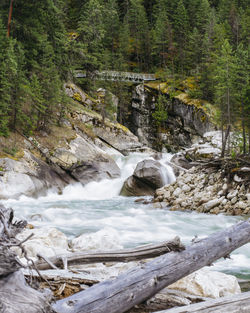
{"type": "Point", "coordinates": [224, 142]}
{"type": "Point", "coordinates": [243, 128]}
{"type": "Point", "coordinates": [248, 139]}
{"type": "Point", "coordinates": [233, 304]}
{"type": "Point", "coordinates": [124, 255]}
{"type": "Point", "coordinates": [9, 18]}
{"type": "Point", "coordinates": [142, 282]}
{"type": "Point", "coordinates": [15, 295]}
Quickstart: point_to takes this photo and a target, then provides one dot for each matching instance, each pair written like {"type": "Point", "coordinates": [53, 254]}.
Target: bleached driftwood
{"type": "Point", "coordinates": [142, 282]}
{"type": "Point", "coordinates": [167, 299]}
{"type": "Point", "coordinates": [64, 283]}
{"type": "Point", "coordinates": [124, 255]}
{"type": "Point", "coordinates": [15, 295]}
{"type": "Point", "coordinates": [231, 304]}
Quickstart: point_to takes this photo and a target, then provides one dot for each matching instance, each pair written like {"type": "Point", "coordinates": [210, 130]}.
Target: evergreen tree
{"type": "Point", "coordinates": [111, 29]}
{"type": "Point", "coordinates": [7, 71]}
{"type": "Point", "coordinates": [92, 32]}
{"type": "Point", "coordinates": [241, 85]}
{"type": "Point", "coordinates": [181, 35]}
{"type": "Point", "coordinates": [160, 114]}
{"type": "Point", "coordinates": [202, 16]}
{"type": "Point", "coordinates": [139, 35]}
{"type": "Point", "coordinates": [124, 48]}
{"type": "Point", "coordinates": [162, 37]}
{"type": "Point", "coordinates": [224, 78]}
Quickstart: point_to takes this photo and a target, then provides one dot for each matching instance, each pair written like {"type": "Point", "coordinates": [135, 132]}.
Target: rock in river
{"type": "Point", "coordinates": [147, 177]}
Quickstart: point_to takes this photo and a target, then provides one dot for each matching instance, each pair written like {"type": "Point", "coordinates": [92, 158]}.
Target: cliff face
{"type": "Point", "coordinates": [185, 122]}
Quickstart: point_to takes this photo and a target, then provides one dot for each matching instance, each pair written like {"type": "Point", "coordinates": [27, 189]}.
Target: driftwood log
{"type": "Point", "coordinates": [66, 283]}
{"type": "Point", "coordinates": [124, 255]}
{"type": "Point", "coordinates": [167, 299]}
{"type": "Point", "coordinates": [142, 282]}
{"type": "Point", "coordinates": [15, 295]}
{"type": "Point", "coordinates": [232, 304]}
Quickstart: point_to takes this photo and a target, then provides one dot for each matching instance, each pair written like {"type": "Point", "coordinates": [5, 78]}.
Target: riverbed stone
{"type": "Point", "coordinates": [46, 241]}
{"type": "Point", "coordinates": [208, 283]}
{"type": "Point", "coordinates": [232, 194]}
{"type": "Point", "coordinates": [186, 188]}
{"type": "Point", "coordinates": [234, 200]}
{"type": "Point", "coordinates": [105, 239]}
{"type": "Point", "coordinates": [177, 192]}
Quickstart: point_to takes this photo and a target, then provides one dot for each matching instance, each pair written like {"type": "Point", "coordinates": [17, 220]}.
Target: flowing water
{"type": "Point", "coordinates": [98, 206]}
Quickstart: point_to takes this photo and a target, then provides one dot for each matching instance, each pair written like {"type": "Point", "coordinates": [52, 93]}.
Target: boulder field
{"type": "Point", "coordinates": [204, 192]}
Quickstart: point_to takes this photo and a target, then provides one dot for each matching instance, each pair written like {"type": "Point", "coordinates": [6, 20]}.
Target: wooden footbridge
{"type": "Point", "coordinates": [117, 76]}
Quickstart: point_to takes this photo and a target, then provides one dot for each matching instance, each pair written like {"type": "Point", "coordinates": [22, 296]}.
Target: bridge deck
{"type": "Point", "coordinates": [118, 76]}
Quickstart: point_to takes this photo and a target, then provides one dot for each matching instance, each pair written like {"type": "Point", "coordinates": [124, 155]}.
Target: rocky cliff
{"type": "Point", "coordinates": [186, 120]}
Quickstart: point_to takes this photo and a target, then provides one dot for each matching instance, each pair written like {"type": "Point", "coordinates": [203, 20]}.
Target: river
{"type": "Point", "coordinates": [98, 206]}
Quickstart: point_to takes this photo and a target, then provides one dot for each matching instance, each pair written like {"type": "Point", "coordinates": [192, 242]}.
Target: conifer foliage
{"type": "Point", "coordinates": [43, 41]}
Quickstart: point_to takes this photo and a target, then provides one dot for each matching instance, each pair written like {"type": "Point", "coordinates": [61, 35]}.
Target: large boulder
{"type": "Point", "coordinates": [104, 239]}
{"type": "Point", "coordinates": [207, 283]}
{"type": "Point", "coordinates": [29, 176]}
{"type": "Point", "coordinates": [120, 138]}
{"type": "Point", "coordinates": [147, 177]}
{"type": "Point", "coordinates": [46, 241]}
{"type": "Point", "coordinates": [85, 161]}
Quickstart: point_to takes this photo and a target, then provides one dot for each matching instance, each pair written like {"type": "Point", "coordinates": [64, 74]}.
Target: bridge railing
{"type": "Point", "coordinates": [118, 76]}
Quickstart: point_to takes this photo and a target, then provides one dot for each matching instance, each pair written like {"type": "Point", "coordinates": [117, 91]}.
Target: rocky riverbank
{"type": "Point", "coordinates": [205, 183]}
{"type": "Point", "coordinates": [204, 191]}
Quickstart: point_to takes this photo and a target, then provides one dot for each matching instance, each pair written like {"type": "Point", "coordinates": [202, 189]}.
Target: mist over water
{"type": "Point", "coordinates": [98, 206]}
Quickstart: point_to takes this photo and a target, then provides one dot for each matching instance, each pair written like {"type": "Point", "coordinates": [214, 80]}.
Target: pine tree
{"type": "Point", "coordinates": [241, 85]}
{"type": "Point", "coordinates": [224, 78]}
{"type": "Point", "coordinates": [92, 32]}
{"type": "Point", "coordinates": [124, 48]}
{"type": "Point", "coordinates": [202, 17]}
{"type": "Point", "coordinates": [7, 69]}
{"type": "Point", "coordinates": [162, 37]}
{"type": "Point", "coordinates": [111, 28]}
{"type": "Point", "coordinates": [181, 34]}
{"type": "Point", "coordinates": [139, 35]}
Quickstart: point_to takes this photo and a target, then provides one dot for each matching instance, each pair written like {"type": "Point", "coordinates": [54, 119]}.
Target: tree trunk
{"type": "Point", "coordinates": [9, 18]}
{"type": "Point", "coordinates": [232, 304]}
{"type": "Point", "coordinates": [124, 255]}
{"type": "Point", "coordinates": [17, 297]}
{"type": "Point", "coordinates": [142, 282]}
{"type": "Point", "coordinates": [243, 127]}
{"type": "Point", "coordinates": [224, 142]}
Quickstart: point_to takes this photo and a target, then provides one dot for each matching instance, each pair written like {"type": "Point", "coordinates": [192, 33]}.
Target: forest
{"type": "Point", "coordinates": [43, 42]}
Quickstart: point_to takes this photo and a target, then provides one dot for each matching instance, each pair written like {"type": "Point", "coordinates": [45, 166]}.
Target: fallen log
{"type": "Point", "coordinates": [13, 288]}
{"type": "Point", "coordinates": [167, 299]}
{"type": "Point", "coordinates": [64, 283]}
{"type": "Point", "coordinates": [8, 230]}
{"type": "Point", "coordinates": [124, 255]}
{"type": "Point", "coordinates": [142, 282]}
{"type": "Point", "coordinates": [231, 304]}
{"type": "Point", "coordinates": [17, 297]}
